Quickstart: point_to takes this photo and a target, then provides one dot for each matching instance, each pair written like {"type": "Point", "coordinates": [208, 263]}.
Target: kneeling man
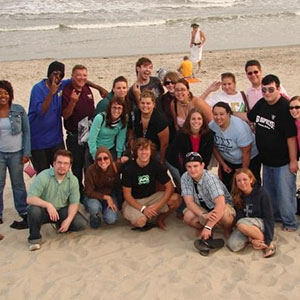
{"type": "Point", "coordinates": [139, 177]}
{"type": "Point", "coordinates": [54, 198]}
{"type": "Point", "coordinates": [206, 197]}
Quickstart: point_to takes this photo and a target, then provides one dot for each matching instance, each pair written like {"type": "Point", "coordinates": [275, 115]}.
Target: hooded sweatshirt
{"type": "Point", "coordinates": [258, 205]}
{"type": "Point", "coordinates": [98, 182]}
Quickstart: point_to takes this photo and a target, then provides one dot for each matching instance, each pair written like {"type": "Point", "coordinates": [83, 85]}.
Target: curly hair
{"type": "Point", "coordinates": [143, 143]}
{"type": "Point", "coordinates": [6, 85]}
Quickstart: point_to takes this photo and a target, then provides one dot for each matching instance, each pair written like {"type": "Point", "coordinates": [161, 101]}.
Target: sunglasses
{"type": "Point", "coordinates": [194, 154]}
{"type": "Point", "coordinates": [105, 158]}
{"type": "Point", "coordinates": [168, 82]}
{"type": "Point", "coordinates": [252, 72]}
{"type": "Point", "coordinates": [270, 90]}
{"type": "Point", "coordinates": [294, 107]}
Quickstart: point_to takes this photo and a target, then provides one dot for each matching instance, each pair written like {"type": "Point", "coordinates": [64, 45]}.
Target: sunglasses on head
{"type": "Point", "coordinates": [294, 107]}
{"type": "Point", "coordinates": [270, 89]}
{"type": "Point", "coordinates": [252, 72]}
{"type": "Point", "coordinates": [105, 158]}
{"type": "Point", "coordinates": [168, 82]}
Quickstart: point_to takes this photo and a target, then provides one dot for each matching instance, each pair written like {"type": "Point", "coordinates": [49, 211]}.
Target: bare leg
{"type": "Point", "coordinates": [227, 223]}
{"type": "Point", "coordinates": [1, 237]}
{"type": "Point", "coordinates": [192, 220]}
{"type": "Point", "coordinates": [199, 67]}
{"type": "Point", "coordinates": [173, 204]}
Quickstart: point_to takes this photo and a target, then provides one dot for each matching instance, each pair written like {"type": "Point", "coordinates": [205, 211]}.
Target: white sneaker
{"type": "Point", "coordinates": [33, 247]}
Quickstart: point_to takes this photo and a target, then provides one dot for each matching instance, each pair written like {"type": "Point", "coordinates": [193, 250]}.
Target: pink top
{"type": "Point", "coordinates": [195, 142]}
{"type": "Point", "coordinates": [298, 132]}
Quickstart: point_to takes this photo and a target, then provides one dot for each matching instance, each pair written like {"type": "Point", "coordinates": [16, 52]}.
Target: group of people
{"type": "Point", "coordinates": [146, 151]}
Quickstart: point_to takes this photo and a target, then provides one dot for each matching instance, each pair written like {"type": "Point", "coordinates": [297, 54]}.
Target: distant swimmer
{"type": "Point", "coordinates": [186, 68]}
{"type": "Point", "coordinates": [198, 39]}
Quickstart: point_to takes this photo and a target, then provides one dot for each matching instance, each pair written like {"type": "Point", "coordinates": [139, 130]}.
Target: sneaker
{"type": "Point", "coordinates": [1, 221]}
{"type": "Point", "coordinates": [33, 247]}
{"type": "Point", "coordinates": [19, 225]}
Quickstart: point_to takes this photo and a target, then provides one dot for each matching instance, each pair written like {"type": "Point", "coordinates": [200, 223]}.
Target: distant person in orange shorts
{"type": "Point", "coordinates": [186, 68]}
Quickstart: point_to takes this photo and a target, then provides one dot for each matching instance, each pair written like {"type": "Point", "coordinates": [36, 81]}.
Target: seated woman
{"type": "Point", "coordinates": [101, 189]}
{"type": "Point", "coordinates": [109, 129]}
{"type": "Point", "coordinates": [151, 124]}
{"type": "Point", "coordinates": [119, 90]}
{"type": "Point", "coordinates": [185, 101]}
{"type": "Point", "coordinates": [195, 136]}
{"type": "Point", "coordinates": [14, 151]}
{"type": "Point", "coordinates": [167, 98]}
{"type": "Point", "coordinates": [237, 100]}
{"type": "Point", "coordinates": [235, 145]}
{"type": "Point", "coordinates": [256, 224]}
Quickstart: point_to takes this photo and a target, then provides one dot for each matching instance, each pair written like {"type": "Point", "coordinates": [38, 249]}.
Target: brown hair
{"type": "Point", "coordinates": [148, 94]}
{"type": "Point", "coordinates": [185, 82]}
{"type": "Point", "coordinates": [186, 128]}
{"type": "Point", "coordinates": [173, 76]}
{"type": "Point", "coordinates": [228, 75]}
{"type": "Point", "coordinates": [142, 61]}
{"type": "Point", "coordinates": [120, 79]}
{"type": "Point", "coordinates": [119, 101]}
{"type": "Point", "coordinates": [6, 85]}
{"type": "Point", "coordinates": [294, 98]}
{"type": "Point", "coordinates": [78, 67]}
{"type": "Point", "coordinates": [143, 143]}
{"type": "Point", "coordinates": [63, 152]}
{"type": "Point", "coordinates": [235, 191]}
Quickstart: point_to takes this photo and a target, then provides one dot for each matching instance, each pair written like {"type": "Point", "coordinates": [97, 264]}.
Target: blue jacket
{"type": "Point", "coordinates": [19, 123]}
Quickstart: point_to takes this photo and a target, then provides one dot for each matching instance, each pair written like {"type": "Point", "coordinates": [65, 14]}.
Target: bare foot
{"type": "Point", "coordinates": [161, 222]}
{"type": "Point", "coordinates": [1, 237]}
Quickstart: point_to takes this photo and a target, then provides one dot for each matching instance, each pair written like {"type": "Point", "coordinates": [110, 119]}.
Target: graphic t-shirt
{"type": "Point", "coordinates": [142, 181]}
{"type": "Point", "coordinates": [274, 125]}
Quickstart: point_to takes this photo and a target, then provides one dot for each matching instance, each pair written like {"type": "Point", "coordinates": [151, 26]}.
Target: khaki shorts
{"type": "Point", "coordinates": [132, 214]}
{"type": "Point", "coordinates": [229, 210]}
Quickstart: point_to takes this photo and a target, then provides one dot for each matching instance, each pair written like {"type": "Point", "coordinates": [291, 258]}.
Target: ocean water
{"type": "Point", "coordinates": [96, 28]}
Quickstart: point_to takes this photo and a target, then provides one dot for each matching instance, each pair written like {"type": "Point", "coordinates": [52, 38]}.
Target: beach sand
{"type": "Point", "coordinates": [117, 263]}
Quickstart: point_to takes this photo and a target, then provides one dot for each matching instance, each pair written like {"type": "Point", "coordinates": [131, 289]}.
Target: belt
{"type": "Point", "coordinates": [197, 44]}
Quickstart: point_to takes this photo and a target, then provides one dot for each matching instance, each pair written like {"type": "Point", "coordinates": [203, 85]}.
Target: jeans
{"type": "Point", "coordinates": [37, 216]}
{"type": "Point", "coordinates": [78, 152]}
{"type": "Point", "coordinates": [42, 159]}
{"type": "Point", "coordinates": [95, 206]}
{"type": "Point", "coordinates": [13, 162]}
{"type": "Point", "coordinates": [280, 183]}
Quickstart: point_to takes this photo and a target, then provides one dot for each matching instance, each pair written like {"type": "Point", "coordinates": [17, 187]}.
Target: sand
{"type": "Point", "coordinates": [114, 262]}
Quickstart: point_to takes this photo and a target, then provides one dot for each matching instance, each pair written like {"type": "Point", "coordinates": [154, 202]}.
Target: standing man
{"type": "Point", "coordinates": [78, 103]}
{"type": "Point", "coordinates": [276, 140]}
{"type": "Point", "coordinates": [198, 39]}
{"type": "Point", "coordinates": [206, 197]}
{"type": "Point", "coordinates": [44, 115]}
{"type": "Point", "coordinates": [54, 198]}
{"type": "Point", "coordinates": [143, 68]}
{"type": "Point", "coordinates": [142, 199]}
{"type": "Point", "coordinates": [254, 74]}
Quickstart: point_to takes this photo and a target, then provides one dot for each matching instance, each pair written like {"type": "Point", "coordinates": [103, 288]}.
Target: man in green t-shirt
{"type": "Point", "coordinates": [54, 198]}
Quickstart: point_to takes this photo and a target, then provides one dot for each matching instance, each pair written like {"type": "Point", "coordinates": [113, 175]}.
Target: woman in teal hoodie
{"type": "Point", "coordinates": [109, 129]}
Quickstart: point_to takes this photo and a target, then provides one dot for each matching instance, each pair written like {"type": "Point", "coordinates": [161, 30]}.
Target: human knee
{"type": "Point", "coordinates": [34, 212]}
{"type": "Point", "coordinates": [174, 201]}
{"type": "Point", "coordinates": [79, 223]}
{"type": "Point", "coordinates": [140, 222]}
{"type": "Point", "coordinates": [110, 217]}
{"type": "Point", "coordinates": [93, 206]}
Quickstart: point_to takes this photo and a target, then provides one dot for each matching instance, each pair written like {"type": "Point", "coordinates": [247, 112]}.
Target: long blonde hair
{"type": "Point", "coordinates": [235, 191]}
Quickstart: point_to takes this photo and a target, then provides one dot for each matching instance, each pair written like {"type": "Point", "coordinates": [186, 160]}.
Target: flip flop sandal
{"type": "Point", "coordinates": [147, 227]}
{"type": "Point", "coordinates": [204, 246]}
{"type": "Point", "coordinates": [271, 250]}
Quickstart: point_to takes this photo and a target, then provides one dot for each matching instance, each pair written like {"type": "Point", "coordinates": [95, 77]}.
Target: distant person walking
{"type": "Point", "coordinates": [198, 39]}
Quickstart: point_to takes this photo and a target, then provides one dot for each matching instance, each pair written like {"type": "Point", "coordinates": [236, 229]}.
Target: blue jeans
{"type": "Point", "coordinates": [37, 216]}
{"type": "Point", "coordinates": [95, 206]}
{"type": "Point", "coordinates": [13, 162]}
{"type": "Point", "coordinates": [280, 183]}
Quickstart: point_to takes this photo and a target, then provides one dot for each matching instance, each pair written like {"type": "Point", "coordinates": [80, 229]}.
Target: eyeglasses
{"type": "Point", "coordinates": [270, 90]}
{"type": "Point", "coordinates": [294, 107]}
{"type": "Point", "coordinates": [252, 72]}
{"type": "Point", "coordinates": [168, 82]}
{"type": "Point", "coordinates": [105, 158]}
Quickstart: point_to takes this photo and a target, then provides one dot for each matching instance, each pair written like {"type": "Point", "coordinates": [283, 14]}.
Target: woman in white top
{"type": "Point", "coordinates": [236, 100]}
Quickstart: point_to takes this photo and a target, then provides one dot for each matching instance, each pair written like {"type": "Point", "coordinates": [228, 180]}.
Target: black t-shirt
{"type": "Point", "coordinates": [153, 85]}
{"type": "Point", "coordinates": [157, 123]}
{"type": "Point", "coordinates": [142, 181]}
{"type": "Point", "coordinates": [274, 125]}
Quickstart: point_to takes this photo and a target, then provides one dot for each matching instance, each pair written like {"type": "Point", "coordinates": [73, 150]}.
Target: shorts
{"type": "Point", "coordinates": [132, 214]}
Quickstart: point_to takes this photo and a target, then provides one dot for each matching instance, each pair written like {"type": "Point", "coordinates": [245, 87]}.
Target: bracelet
{"type": "Point", "coordinates": [207, 227]}
{"type": "Point", "coordinates": [143, 208]}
